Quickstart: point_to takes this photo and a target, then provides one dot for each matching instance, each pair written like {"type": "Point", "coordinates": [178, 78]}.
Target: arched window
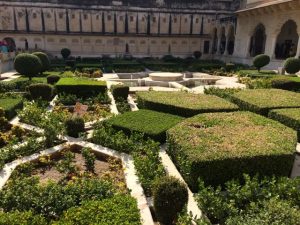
{"type": "Point", "coordinates": [223, 41]}
{"type": "Point", "coordinates": [287, 40]}
{"type": "Point", "coordinates": [258, 41]}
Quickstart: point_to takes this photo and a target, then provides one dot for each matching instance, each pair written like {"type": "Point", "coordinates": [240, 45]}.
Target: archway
{"type": "Point", "coordinates": [223, 41]}
{"type": "Point", "coordinates": [215, 41]}
{"type": "Point", "coordinates": [231, 38]}
{"type": "Point", "coordinates": [10, 43]}
{"type": "Point", "coordinates": [258, 41]}
{"type": "Point", "coordinates": [287, 40]}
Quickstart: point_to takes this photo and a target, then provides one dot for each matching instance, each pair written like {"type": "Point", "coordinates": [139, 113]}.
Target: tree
{"type": "Point", "coordinates": [44, 59]}
{"type": "Point", "coordinates": [28, 65]}
{"type": "Point", "coordinates": [65, 52]}
{"type": "Point", "coordinates": [292, 65]}
{"type": "Point", "coordinates": [260, 61]}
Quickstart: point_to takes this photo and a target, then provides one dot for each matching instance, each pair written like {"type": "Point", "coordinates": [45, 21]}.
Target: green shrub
{"type": "Point", "coordinates": [220, 92]}
{"type": "Point", "coordinates": [41, 91]}
{"type": "Point", "coordinates": [273, 211]}
{"type": "Point", "coordinates": [89, 158]}
{"type": "Point", "coordinates": [229, 67]}
{"type": "Point", "coordinates": [6, 86]}
{"type": "Point", "coordinates": [197, 54]}
{"type": "Point", "coordinates": [24, 218]}
{"type": "Point", "coordinates": [169, 197]}
{"type": "Point", "coordinates": [28, 65]}
{"type": "Point", "coordinates": [183, 104]}
{"type": "Point", "coordinates": [120, 91]}
{"type": "Point", "coordinates": [289, 117]}
{"type": "Point", "coordinates": [81, 87]}
{"type": "Point", "coordinates": [292, 65]}
{"type": "Point", "coordinates": [44, 60]}
{"type": "Point", "coordinates": [285, 84]}
{"type": "Point", "coordinates": [32, 113]}
{"type": "Point", "coordinates": [218, 147]}
{"type": "Point", "coordinates": [122, 105]}
{"type": "Point", "coordinates": [261, 101]}
{"type": "Point", "coordinates": [10, 105]}
{"type": "Point", "coordinates": [65, 52]}
{"type": "Point", "coordinates": [74, 126]}
{"type": "Point", "coordinates": [151, 123]}
{"type": "Point", "coordinates": [53, 79]}
{"type": "Point", "coordinates": [238, 201]}
{"type": "Point", "coordinates": [121, 209]}
{"type": "Point", "coordinates": [260, 61]}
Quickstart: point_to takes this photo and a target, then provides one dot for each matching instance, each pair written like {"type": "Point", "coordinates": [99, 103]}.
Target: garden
{"type": "Point", "coordinates": [77, 149]}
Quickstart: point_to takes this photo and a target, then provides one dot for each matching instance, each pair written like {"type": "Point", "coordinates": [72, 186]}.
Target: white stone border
{"type": "Point", "coordinates": [132, 181]}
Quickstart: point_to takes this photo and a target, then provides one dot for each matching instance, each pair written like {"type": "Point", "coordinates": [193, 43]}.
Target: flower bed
{"type": "Point", "coordinates": [263, 100]}
{"type": "Point", "coordinates": [183, 104]}
{"type": "Point", "coordinates": [152, 124]}
{"type": "Point", "coordinates": [289, 117]}
{"type": "Point", "coordinates": [217, 147]}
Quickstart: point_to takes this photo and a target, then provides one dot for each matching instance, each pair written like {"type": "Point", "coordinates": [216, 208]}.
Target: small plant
{"type": "Point", "coordinates": [292, 65]}
{"type": "Point", "coordinates": [28, 65]}
{"type": "Point", "coordinates": [41, 91]}
{"type": "Point", "coordinates": [44, 60]}
{"type": "Point", "coordinates": [170, 196]}
{"type": "Point", "coordinates": [65, 52]}
{"type": "Point", "coordinates": [32, 113]}
{"type": "Point", "coordinates": [53, 79]}
{"type": "Point", "coordinates": [89, 158]}
{"type": "Point", "coordinates": [74, 126]}
{"type": "Point", "coordinates": [260, 61]}
{"type": "Point", "coordinates": [67, 164]}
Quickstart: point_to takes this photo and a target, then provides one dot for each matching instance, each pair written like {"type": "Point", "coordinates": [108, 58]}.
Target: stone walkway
{"type": "Point", "coordinates": [9, 75]}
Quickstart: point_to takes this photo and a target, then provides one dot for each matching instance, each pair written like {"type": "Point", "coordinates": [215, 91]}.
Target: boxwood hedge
{"type": "Point", "coordinates": [182, 103]}
{"type": "Point", "coordinates": [153, 124]}
{"type": "Point", "coordinates": [263, 100]}
{"type": "Point", "coordinates": [217, 147]}
{"type": "Point", "coordinates": [80, 87]}
{"type": "Point", "coordinates": [10, 105]}
{"type": "Point", "coordinates": [289, 117]}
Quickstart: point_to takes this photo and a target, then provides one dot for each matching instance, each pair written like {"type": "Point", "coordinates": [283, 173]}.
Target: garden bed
{"type": "Point", "coordinates": [289, 117]}
{"type": "Point", "coordinates": [261, 101]}
{"type": "Point", "coordinates": [183, 104]}
{"type": "Point", "coordinates": [151, 123]}
{"type": "Point", "coordinates": [217, 147]}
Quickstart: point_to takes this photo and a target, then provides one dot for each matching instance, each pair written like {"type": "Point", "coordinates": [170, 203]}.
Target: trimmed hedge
{"type": "Point", "coordinates": [10, 105]}
{"type": "Point", "coordinates": [261, 101]}
{"type": "Point", "coordinates": [292, 65]}
{"type": "Point", "coordinates": [53, 79]}
{"type": "Point", "coordinates": [152, 124]}
{"type": "Point", "coordinates": [120, 91]}
{"type": "Point", "coordinates": [182, 103]}
{"type": "Point", "coordinates": [81, 87]}
{"type": "Point", "coordinates": [218, 147]}
{"type": "Point", "coordinates": [289, 117]}
{"type": "Point", "coordinates": [43, 91]}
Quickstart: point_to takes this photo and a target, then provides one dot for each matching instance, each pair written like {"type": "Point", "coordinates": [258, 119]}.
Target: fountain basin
{"type": "Point", "coordinates": [166, 76]}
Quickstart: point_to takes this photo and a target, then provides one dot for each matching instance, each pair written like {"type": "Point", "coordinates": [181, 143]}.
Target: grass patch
{"type": "Point", "coordinates": [80, 87]}
{"type": "Point", "coordinates": [289, 117]}
{"type": "Point", "coordinates": [10, 105]}
{"type": "Point", "coordinates": [263, 100]}
{"type": "Point", "coordinates": [217, 147]}
{"type": "Point", "coordinates": [182, 103]}
{"type": "Point", "coordinates": [153, 124]}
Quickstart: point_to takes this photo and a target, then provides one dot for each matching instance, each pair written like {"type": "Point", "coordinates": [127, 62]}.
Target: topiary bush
{"type": "Point", "coordinates": [292, 65]}
{"type": "Point", "coordinates": [260, 61]}
{"type": "Point", "coordinates": [170, 196]}
{"type": "Point", "coordinates": [44, 60]}
{"type": "Point", "coordinates": [28, 65]}
{"type": "Point", "coordinates": [229, 67]}
{"type": "Point", "coordinates": [65, 52]}
{"type": "Point", "coordinates": [197, 54]}
{"type": "Point", "coordinates": [53, 79]}
{"type": "Point", "coordinates": [43, 91]}
{"type": "Point", "coordinates": [74, 126]}
{"type": "Point", "coordinates": [120, 91]}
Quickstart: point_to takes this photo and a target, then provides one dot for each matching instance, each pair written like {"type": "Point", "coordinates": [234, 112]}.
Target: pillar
{"type": "Point", "coordinates": [298, 48]}
{"type": "Point", "coordinates": [226, 46]}
{"type": "Point", "coordinates": [270, 45]}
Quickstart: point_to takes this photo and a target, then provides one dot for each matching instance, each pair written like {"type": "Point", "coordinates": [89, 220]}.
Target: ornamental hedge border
{"type": "Point", "coordinates": [218, 147]}
{"type": "Point", "coordinates": [80, 87]}
{"type": "Point", "coordinates": [153, 124]}
{"type": "Point", "coordinates": [261, 101]}
{"type": "Point", "coordinates": [182, 103]}
{"type": "Point", "coordinates": [289, 117]}
{"type": "Point", "coordinates": [10, 105]}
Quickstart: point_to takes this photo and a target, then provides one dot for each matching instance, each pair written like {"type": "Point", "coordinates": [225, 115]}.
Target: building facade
{"type": "Point", "coordinates": [103, 27]}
